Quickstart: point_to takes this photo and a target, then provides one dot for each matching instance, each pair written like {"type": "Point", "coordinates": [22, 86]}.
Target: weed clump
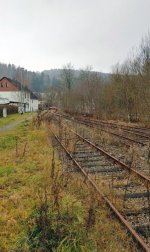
{"type": "Point", "coordinates": [52, 231]}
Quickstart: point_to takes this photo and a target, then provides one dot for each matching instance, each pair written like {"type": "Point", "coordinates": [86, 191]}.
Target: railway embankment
{"type": "Point", "coordinates": [44, 206]}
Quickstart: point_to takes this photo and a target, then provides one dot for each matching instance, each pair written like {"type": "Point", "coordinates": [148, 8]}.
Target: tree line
{"type": "Point", "coordinates": [36, 81]}
{"type": "Point", "coordinates": [125, 93]}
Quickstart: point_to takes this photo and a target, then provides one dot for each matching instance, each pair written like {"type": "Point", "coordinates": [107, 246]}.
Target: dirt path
{"type": "Point", "coordinates": [13, 125]}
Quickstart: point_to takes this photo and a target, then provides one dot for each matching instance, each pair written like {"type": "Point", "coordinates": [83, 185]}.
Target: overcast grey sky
{"type": "Point", "coordinates": [45, 34]}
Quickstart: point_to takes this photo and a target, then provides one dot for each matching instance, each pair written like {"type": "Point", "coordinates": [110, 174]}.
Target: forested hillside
{"type": "Point", "coordinates": [36, 81]}
{"type": "Point", "coordinates": [39, 81]}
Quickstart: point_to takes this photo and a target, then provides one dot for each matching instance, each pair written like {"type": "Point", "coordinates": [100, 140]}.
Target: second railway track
{"type": "Point", "coordinates": [132, 155]}
{"type": "Point", "coordinates": [127, 134]}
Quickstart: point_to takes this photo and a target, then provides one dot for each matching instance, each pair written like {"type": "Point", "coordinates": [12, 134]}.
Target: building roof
{"type": "Point", "coordinates": [18, 85]}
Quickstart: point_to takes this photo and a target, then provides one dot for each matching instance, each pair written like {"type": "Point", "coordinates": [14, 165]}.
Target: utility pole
{"type": "Point", "coordinates": [21, 91]}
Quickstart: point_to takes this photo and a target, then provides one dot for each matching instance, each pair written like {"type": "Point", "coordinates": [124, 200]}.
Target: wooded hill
{"type": "Point", "coordinates": [38, 81]}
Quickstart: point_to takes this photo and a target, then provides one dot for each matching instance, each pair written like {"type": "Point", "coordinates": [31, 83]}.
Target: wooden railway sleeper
{"type": "Point", "coordinates": [120, 217]}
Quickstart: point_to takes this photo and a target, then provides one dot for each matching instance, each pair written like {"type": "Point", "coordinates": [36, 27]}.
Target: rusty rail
{"type": "Point", "coordinates": [123, 165]}
{"type": "Point", "coordinates": [130, 129]}
{"type": "Point", "coordinates": [89, 123]}
{"type": "Point", "coordinates": [126, 224]}
{"type": "Point", "coordinates": [145, 179]}
{"type": "Point", "coordinates": [115, 134]}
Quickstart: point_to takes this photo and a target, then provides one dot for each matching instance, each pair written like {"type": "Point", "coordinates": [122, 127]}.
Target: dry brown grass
{"type": "Point", "coordinates": [27, 186]}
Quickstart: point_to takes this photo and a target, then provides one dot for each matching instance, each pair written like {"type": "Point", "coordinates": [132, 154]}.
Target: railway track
{"type": "Point", "coordinates": [136, 129]}
{"type": "Point", "coordinates": [129, 154]}
{"type": "Point", "coordinates": [127, 134]}
{"type": "Point", "coordinates": [125, 188]}
{"type": "Point", "coordinates": [142, 134]}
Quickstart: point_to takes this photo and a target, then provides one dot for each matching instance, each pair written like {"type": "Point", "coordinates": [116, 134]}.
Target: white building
{"type": "Point", "coordinates": [18, 95]}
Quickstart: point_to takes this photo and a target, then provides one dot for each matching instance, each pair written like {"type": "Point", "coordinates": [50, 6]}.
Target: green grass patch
{"type": "Point", "coordinates": [13, 118]}
{"type": "Point", "coordinates": [6, 170]}
{"type": "Point", "coordinates": [7, 141]}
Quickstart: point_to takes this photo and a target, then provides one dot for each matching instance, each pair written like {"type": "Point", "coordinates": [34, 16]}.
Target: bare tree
{"type": "Point", "coordinates": [68, 76]}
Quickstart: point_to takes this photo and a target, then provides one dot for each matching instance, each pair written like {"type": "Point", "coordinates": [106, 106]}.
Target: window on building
{"type": "Point", "coordinates": [6, 84]}
{"type": "Point", "coordinates": [1, 84]}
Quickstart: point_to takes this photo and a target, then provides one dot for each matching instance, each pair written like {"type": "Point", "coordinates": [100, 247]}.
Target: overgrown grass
{"type": "Point", "coordinates": [13, 118]}
{"type": "Point", "coordinates": [6, 170]}
{"type": "Point", "coordinates": [44, 208]}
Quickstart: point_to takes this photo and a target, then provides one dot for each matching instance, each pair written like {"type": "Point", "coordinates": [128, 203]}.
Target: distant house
{"type": "Point", "coordinates": [17, 94]}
